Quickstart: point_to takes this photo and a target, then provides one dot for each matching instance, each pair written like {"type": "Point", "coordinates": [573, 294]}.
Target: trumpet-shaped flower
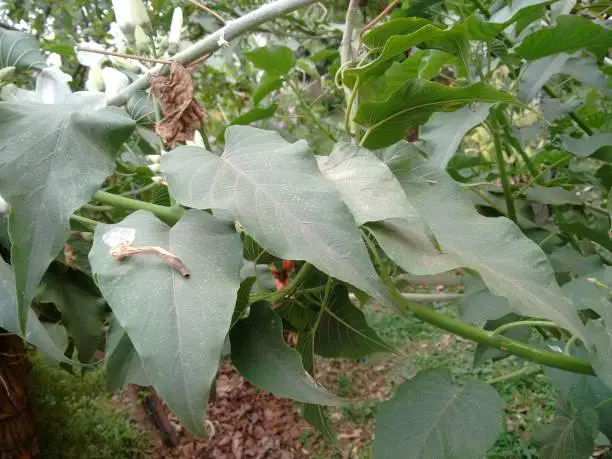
{"type": "Point", "coordinates": [131, 14]}
{"type": "Point", "coordinates": [114, 81]}
{"type": "Point", "coordinates": [174, 37]}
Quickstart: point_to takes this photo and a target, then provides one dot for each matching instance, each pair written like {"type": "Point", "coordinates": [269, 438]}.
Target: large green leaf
{"type": "Point", "coordinates": [453, 41]}
{"type": "Point", "coordinates": [431, 418]}
{"type": "Point", "coordinates": [255, 114]}
{"type": "Point", "coordinates": [81, 308]}
{"type": "Point", "coordinates": [376, 198]}
{"type": "Point", "coordinates": [571, 34]}
{"type": "Point", "coordinates": [342, 330]}
{"type": "Point", "coordinates": [413, 104]}
{"type": "Point", "coordinates": [552, 195]}
{"type": "Point", "coordinates": [36, 333]}
{"type": "Point", "coordinates": [177, 325]}
{"type": "Point", "coordinates": [443, 133]}
{"type": "Point", "coordinates": [262, 356]}
{"type": "Point", "coordinates": [278, 195]}
{"type": "Point", "coordinates": [20, 50]}
{"type": "Point", "coordinates": [275, 60]}
{"type": "Point", "coordinates": [123, 364]}
{"type": "Point", "coordinates": [510, 264]}
{"type": "Point", "coordinates": [571, 435]}
{"type": "Point", "coordinates": [53, 159]}
{"type": "Point", "coordinates": [478, 304]}
{"type": "Point", "coordinates": [378, 36]}
{"type": "Point", "coordinates": [588, 145]}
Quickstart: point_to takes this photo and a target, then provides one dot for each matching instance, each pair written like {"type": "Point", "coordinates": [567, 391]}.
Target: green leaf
{"type": "Point", "coordinates": [431, 417]}
{"type": "Point", "coordinates": [177, 325]}
{"type": "Point", "coordinates": [261, 355]}
{"type": "Point", "coordinates": [266, 86]}
{"type": "Point", "coordinates": [362, 179]}
{"type": "Point", "coordinates": [478, 304]}
{"type": "Point", "coordinates": [252, 251]}
{"type": "Point", "coordinates": [36, 334]}
{"type": "Point", "coordinates": [276, 192]}
{"type": "Point", "coordinates": [54, 158]}
{"type": "Point", "coordinates": [243, 299]}
{"type": "Point", "coordinates": [141, 107]}
{"type": "Point", "coordinates": [581, 229]}
{"type": "Point", "coordinates": [586, 146]}
{"type": "Point", "coordinates": [19, 50]}
{"type": "Point", "coordinates": [123, 365]}
{"type": "Point", "coordinates": [413, 104]}
{"type": "Point", "coordinates": [489, 245]}
{"type": "Point", "coordinates": [378, 36]}
{"type": "Point", "coordinates": [571, 34]}
{"type": "Point", "coordinates": [453, 41]}
{"type": "Point", "coordinates": [552, 195]}
{"type": "Point", "coordinates": [571, 435]}
{"type": "Point", "coordinates": [443, 133]}
{"type": "Point", "coordinates": [342, 330]}
{"type": "Point", "coordinates": [275, 60]}
{"type": "Point", "coordinates": [255, 114]}
{"type": "Point", "coordinates": [568, 260]}
{"type": "Point", "coordinates": [82, 311]}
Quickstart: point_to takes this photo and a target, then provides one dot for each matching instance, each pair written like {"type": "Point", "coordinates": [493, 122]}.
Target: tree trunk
{"type": "Point", "coordinates": [17, 425]}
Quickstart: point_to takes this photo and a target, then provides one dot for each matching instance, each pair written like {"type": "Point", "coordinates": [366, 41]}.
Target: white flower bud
{"type": "Point", "coordinates": [174, 37]}
{"type": "Point", "coordinates": [154, 159]}
{"type": "Point", "coordinates": [158, 180]}
{"type": "Point", "coordinates": [131, 14]}
{"type": "Point", "coordinates": [114, 81]}
{"type": "Point", "coordinates": [4, 207]}
{"type": "Point", "coordinates": [155, 168]}
{"type": "Point", "coordinates": [142, 41]}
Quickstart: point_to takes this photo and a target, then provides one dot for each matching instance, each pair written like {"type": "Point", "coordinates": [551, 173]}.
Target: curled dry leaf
{"type": "Point", "coordinates": [183, 114]}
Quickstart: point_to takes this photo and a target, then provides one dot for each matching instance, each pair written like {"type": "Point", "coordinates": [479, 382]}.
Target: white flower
{"type": "Point", "coordinates": [118, 41]}
{"type": "Point", "coordinates": [174, 37]}
{"type": "Point", "coordinates": [197, 141]}
{"type": "Point", "coordinates": [89, 59]}
{"type": "Point", "coordinates": [54, 60]}
{"type": "Point", "coordinates": [131, 14]}
{"type": "Point", "coordinates": [4, 207]}
{"type": "Point", "coordinates": [95, 81]}
{"type": "Point", "coordinates": [52, 86]}
{"type": "Point", "coordinates": [155, 168]}
{"type": "Point", "coordinates": [155, 159]}
{"type": "Point", "coordinates": [142, 40]}
{"type": "Point", "coordinates": [114, 81]}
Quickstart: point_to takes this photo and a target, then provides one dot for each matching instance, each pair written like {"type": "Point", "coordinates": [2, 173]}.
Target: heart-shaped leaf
{"type": "Point", "coordinates": [48, 173]}
{"type": "Point", "coordinates": [176, 324]}
{"type": "Point", "coordinates": [276, 192]}
{"type": "Point", "coordinates": [262, 356]}
{"type": "Point", "coordinates": [123, 364]}
{"type": "Point", "coordinates": [430, 417]}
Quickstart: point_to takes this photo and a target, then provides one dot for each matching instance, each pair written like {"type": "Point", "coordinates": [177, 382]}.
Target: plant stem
{"type": "Point", "coordinates": [540, 174]}
{"type": "Point", "coordinates": [214, 14]}
{"type": "Point", "coordinates": [210, 43]}
{"type": "Point", "coordinates": [294, 284]}
{"type": "Point", "coordinates": [520, 373]}
{"type": "Point", "coordinates": [439, 279]}
{"type": "Point", "coordinates": [501, 164]}
{"type": "Point", "coordinates": [525, 323]}
{"type": "Point", "coordinates": [348, 122]}
{"type": "Point", "coordinates": [432, 297]}
{"type": "Point", "coordinates": [540, 356]}
{"type": "Point", "coordinates": [170, 215]}
{"type": "Point", "coordinates": [89, 223]}
{"type": "Point", "coordinates": [123, 55]}
{"type": "Point", "coordinates": [568, 346]}
{"type": "Point", "coordinates": [382, 14]}
{"type": "Point", "coordinates": [347, 38]}
{"type": "Point", "coordinates": [579, 121]}
{"type": "Point", "coordinates": [309, 110]}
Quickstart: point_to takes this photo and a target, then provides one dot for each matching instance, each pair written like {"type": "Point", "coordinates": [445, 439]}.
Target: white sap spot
{"type": "Point", "coordinates": [117, 236]}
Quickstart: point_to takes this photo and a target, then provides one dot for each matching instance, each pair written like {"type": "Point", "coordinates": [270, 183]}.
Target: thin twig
{"type": "Point", "coordinates": [209, 11]}
{"type": "Point", "coordinates": [124, 56]}
{"type": "Point", "coordinates": [382, 14]}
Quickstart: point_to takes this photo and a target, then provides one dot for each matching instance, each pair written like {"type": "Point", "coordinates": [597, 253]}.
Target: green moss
{"type": "Point", "coordinates": [78, 419]}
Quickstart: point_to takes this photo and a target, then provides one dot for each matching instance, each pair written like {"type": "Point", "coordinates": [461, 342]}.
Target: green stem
{"type": "Point", "coordinates": [89, 223]}
{"type": "Point", "coordinates": [348, 122]}
{"type": "Point", "coordinates": [540, 356]}
{"type": "Point", "coordinates": [293, 286]}
{"type": "Point", "coordinates": [568, 346]}
{"type": "Point", "coordinates": [94, 208]}
{"type": "Point", "coordinates": [540, 174]}
{"type": "Point", "coordinates": [309, 110]}
{"type": "Point", "coordinates": [150, 186]}
{"type": "Point", "coordinates": [501, 164]}
{"type": "Point", "coordinates": [579, 121]}
{"type": "Point", "coordinates": [525, 323]}
{"type": "Point", "coordinates": [520, 373]}
{"type": "Point", "coordinates": [170, 215]}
